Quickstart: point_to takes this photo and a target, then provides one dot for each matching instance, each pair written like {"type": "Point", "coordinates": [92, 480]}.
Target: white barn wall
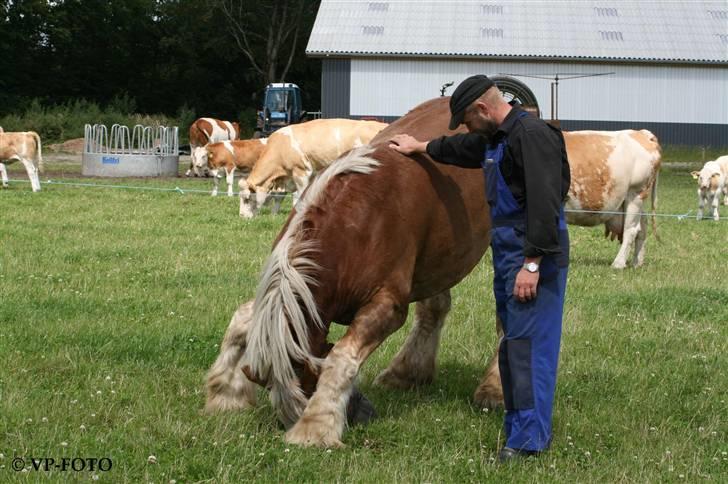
{"type": "Point", "coordinates": [644, 93]}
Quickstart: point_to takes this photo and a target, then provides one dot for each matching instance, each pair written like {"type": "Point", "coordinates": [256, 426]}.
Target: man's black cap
{"type": "Point", "coordinates": [468, 91]}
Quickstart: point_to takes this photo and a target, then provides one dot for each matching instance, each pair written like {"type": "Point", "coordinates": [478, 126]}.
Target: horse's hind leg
{"type": "Point", "coordinates": [322, 422]}
{"type": "Point", "coordinates": [415, 362]}
{"type": "Point", "coordinates": [227, 386]}
{"type": "Point", "coordinates": [489, 393]}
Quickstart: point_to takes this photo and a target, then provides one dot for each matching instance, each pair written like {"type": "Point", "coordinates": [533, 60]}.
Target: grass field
{"type": "Point", "coordinates": [113, 303]}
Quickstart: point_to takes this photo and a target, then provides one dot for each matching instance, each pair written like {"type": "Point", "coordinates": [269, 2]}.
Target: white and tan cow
{"type": "Point", "coordinates": [298, 152]}
{"type": "Point", "coordinates": [231, 155]}
{"type": "Point", "coordinates": [613, 171]}
{"type": "Point", "coordinates": [723, 162]}
{"type": "Point", "coordinates": [711, 186]}
{"type": "Point", "coordinates": [25, 147]}
{"type": "Point", "coordinates": [202, 132]}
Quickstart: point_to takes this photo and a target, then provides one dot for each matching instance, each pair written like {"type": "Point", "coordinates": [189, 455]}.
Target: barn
{"type": "Point", "coordinates": [659, 65]}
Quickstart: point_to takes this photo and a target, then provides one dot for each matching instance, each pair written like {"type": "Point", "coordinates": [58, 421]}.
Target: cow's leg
{"type": "Point", "coordinates": [639, 243]}
{"type": "Point", "coordinates": [631, 229]}
{"type": "Point", "coordinates": [489, 393]}
{"type": "Point", "coordinates": [4, 174]}
{"type": "Point", "coordinates": [701, 204]}
{"type": "Point", "coordinates": [215, 182]}
{"type": "Point", "coordinates": [32, 174]}
{"type": "Point", "coordinates": [415, 362]}
{"type": "Point", "coordinates": [230, 178]}
{"type": "Point", "coordinates": [227, 386]}
{"type": "Point", "coordinates": [322, 422]}
{"type": "Point", "coordinates": [277, 200]}
{"type": "Point", "coordinates": [715, 203]}
{"type": "Point", "coordinates": [301, 180]}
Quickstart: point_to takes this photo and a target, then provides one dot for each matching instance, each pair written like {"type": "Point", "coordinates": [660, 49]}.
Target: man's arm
{"type": "Point", "coordinates": [540, 151]}
{"type": "Point", "coordinates": [465, 150]}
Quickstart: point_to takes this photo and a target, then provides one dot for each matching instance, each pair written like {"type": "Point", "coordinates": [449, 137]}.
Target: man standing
{"type": "Point", "coordinates": [527, 180]}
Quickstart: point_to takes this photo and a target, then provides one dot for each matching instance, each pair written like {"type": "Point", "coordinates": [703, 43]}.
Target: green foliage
{"type": "Point", "coordinates": [112, 322]}
{"type": "Point", "coordinates": [58, 123]}
{"type": "Point", "coordinates": [149, 56]}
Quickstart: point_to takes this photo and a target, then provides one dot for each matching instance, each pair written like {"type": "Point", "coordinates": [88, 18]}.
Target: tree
{"type": "Point", "coordinates": [270, 33]}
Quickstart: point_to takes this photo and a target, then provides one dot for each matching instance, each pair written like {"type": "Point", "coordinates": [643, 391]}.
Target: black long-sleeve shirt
{"type": "Point", "coordinates": [535, 168]}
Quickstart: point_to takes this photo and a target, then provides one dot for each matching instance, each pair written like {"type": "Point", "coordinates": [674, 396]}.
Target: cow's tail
{"type": "Point", "coordinates": [653, 192]}
{"type": "Point", "coordinates": [653, 203]}
{"type": "Point", "coordinates": [39, 151]}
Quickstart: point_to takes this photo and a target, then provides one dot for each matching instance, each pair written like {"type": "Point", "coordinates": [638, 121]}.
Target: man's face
{"type": "Point", "coordinates": [478, 120]}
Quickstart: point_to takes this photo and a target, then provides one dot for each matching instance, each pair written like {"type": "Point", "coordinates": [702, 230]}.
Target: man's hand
{"type": "Point", "coordinates": [525, 287]}
{"type": "Point", "coordinates": [407, 145]}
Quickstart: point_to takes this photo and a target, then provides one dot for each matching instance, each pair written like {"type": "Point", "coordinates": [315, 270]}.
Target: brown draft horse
{"type": "Point", "coordinates": [375, 231]}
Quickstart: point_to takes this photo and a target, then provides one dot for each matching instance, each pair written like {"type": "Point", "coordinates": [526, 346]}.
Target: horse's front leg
{"type": "Point", "coordinates": [322, 422]}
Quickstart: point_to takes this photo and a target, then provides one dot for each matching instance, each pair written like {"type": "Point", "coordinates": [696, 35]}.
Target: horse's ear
{"type": "Point", "coordinates": [253, 377]}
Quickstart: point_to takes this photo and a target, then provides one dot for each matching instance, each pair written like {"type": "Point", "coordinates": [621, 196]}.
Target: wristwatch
{"type": "Point", "coordinates": [531, 267]}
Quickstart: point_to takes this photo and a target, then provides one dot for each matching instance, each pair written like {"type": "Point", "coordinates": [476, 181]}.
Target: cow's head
{"type": "Point", "coordinates": [707, 180]}
{"type": "Point", "coordinates": [254, 195]}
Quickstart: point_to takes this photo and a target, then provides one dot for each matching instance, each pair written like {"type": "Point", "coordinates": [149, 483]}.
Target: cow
{"type": "Point", "coordinates": [612, 172]}
{"type": "Point", "coordinates": [300, 151]}
{"type": "Point", "coordinates": [202, 132]}
{"type": "Point", "coordinates": [232, 155]}
{"type": "Point", "coordinates": [723, 162]}
{"type": "Point", "coordinates": [24, 147]}
{"type": "Point", "coordinates": [711, 185]}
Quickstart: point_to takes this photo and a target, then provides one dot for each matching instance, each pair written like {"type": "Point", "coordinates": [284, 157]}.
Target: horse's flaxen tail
{"type": "Point", "coordinates": [284, 305]}
{"type": "Point", "coordinates": [285, 308]}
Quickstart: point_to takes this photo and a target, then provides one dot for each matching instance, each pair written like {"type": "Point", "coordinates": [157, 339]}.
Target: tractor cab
{"type": "Point", "coordinates": [281, 107]}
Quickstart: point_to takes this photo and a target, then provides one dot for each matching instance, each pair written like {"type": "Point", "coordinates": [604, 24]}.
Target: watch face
{"type": "Point", "coordinates": [532, 267]}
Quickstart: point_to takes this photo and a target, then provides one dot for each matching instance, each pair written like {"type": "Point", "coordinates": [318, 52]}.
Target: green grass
{"type": "Point", "coordinates": [113, 304]}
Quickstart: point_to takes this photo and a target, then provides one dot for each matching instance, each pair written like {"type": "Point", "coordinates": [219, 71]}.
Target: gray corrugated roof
{"type": "Point", "coordinates": [671, 31]}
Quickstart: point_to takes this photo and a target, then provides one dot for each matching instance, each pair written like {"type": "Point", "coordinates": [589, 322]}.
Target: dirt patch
{"type": "Point", "coordinates": [72, 146]}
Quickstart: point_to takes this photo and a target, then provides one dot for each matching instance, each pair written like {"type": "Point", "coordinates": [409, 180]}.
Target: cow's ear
{"type": "Point", "coordinates": [695, 174]}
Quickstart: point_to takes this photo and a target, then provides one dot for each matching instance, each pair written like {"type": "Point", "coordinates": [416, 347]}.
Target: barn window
{"type": "Point", "coordinates": [378, 6]}
{"type": "Point", "coordinates": [611, 35]}
{"type": "Point", "coordinates": [718, 14]}
{"type": "Point", "coordinates": [372, 29]}
{"type": "Point", "coordinates": [491, 33]}
{"type": "Point", "coordinates": [490, 9]}
{"type": "Point", "coordinates": [606, 12]}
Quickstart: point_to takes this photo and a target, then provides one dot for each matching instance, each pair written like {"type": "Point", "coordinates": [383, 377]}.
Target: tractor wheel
{"type": "Point", "coordinates": [515, 90]}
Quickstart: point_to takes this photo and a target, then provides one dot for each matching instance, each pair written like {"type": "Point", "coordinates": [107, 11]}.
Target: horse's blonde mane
{"type": "Point", "coordinates": [283, 301]}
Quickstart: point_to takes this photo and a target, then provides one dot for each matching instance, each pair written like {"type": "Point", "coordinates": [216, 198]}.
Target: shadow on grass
{"type": "Point", "coordinates": [454, 383]}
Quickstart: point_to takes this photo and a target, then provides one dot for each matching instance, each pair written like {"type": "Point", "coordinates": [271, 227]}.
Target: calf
{"type": "Point", "coordinates": [711, 184]}
{"type": "Point", "coordinates": [612, 172]}
{"type": "Point", "coordinates": [26, 148]}
{"type": "Point", "coordinates": [231, 155]}
{"type": "Point", "coordinates": [723, 162]}
{"type": "Point", "coordinates": [202, 132]}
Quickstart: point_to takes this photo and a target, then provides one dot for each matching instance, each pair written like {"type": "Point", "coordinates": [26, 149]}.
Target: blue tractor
{"type": "Point", "coordinates": [281, 107]}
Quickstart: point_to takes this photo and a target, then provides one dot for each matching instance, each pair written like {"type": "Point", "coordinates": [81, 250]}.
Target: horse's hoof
{"type": "Point", "coordinates": [486, 400]}
{"type": "Point", "coordinates": [360, 410]}
{"type": "Point", "coordinates": [389, 379]}
{"type": "Point", "coordinates": [311, 435]}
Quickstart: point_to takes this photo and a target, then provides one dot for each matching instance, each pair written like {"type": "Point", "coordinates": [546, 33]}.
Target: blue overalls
{"type": "Point", "coordinates": [529, 350]}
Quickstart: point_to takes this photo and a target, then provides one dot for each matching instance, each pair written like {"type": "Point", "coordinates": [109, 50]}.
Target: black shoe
{"type": "Point", "coordinates": [507, 454]}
